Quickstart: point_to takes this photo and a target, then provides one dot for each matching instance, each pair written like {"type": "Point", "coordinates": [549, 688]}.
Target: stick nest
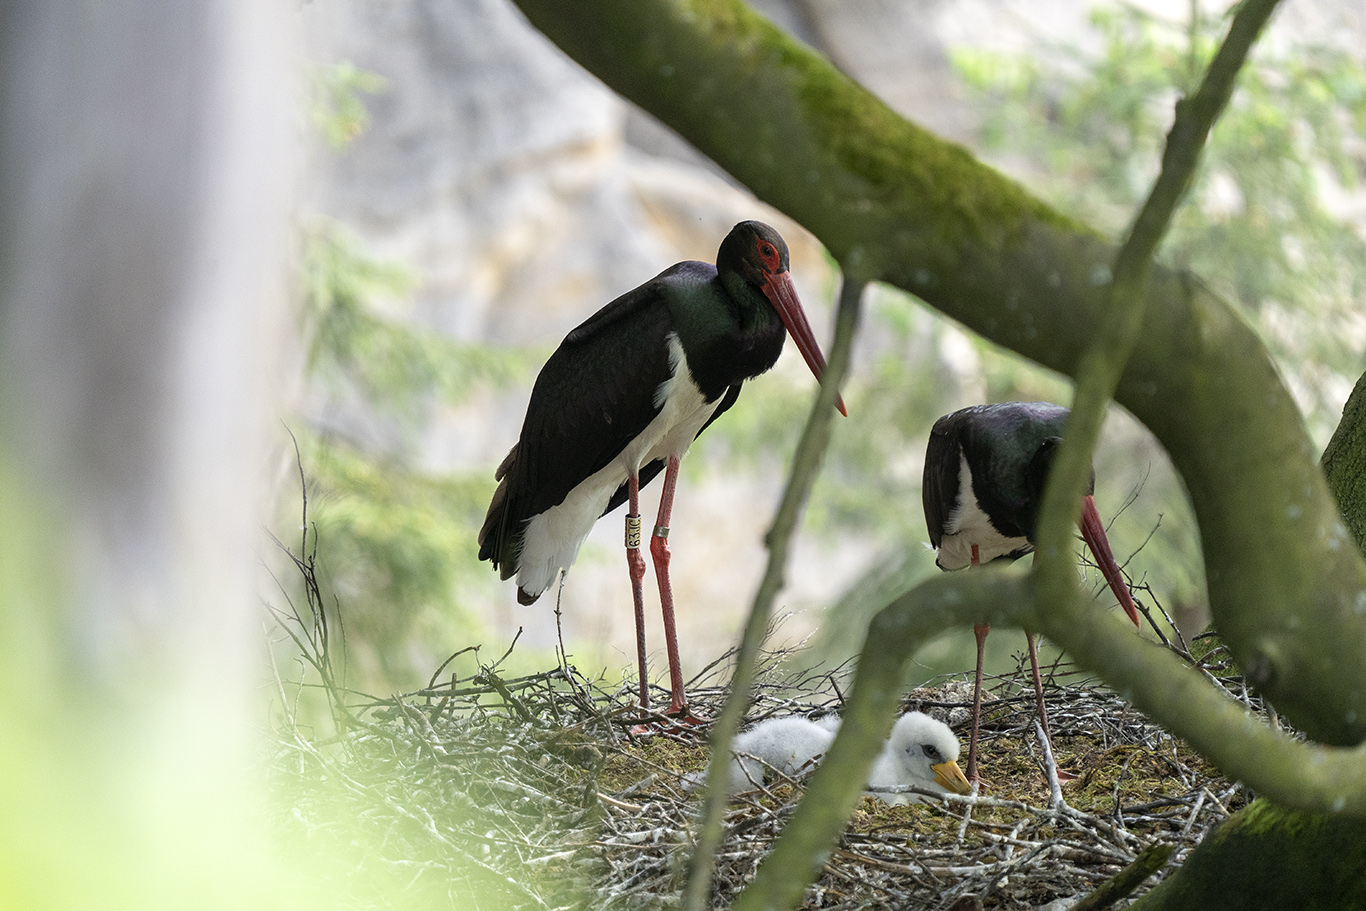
{"type": "Point", "coordinates": [536, 792]}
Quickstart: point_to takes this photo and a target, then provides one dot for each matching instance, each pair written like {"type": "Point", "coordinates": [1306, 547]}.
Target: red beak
{"type": "Point", "coordinates": [1094, 535]}
{"type": "Point", "coordinates": [783, 296]}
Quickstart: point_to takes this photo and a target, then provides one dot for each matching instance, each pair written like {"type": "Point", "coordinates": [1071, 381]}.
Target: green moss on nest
{"type": "Point", "coordinates": [637, 761]}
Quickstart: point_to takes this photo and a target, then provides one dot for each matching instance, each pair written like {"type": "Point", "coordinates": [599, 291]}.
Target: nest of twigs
{"type": "Point", "coordinates": [484, 792]}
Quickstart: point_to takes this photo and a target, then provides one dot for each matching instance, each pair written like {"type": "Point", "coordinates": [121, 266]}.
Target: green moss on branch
{"type": "Point", "coordinates": [1268, 857]}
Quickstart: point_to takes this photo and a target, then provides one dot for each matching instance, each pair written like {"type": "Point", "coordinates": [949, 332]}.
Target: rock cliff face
{"type": "Point", "coordinates": [524, 195]}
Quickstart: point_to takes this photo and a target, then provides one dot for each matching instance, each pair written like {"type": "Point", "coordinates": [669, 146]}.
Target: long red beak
{"type": "Point", "coordinates": [783, 296]}
{"type": "Point", "coordinates": [1094, 534]}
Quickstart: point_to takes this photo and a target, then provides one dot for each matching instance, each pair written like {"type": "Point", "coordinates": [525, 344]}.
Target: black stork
{"type": "Point", "coordinates": [622, 398]}
{"type": "Point", "coordinates": [985, 469]}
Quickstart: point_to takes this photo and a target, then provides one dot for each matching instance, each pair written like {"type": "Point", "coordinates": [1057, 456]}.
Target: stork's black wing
{"type": "Point", "coordinates": [594, 396]}
{"type": "Point", "coordinates": [939, 484]}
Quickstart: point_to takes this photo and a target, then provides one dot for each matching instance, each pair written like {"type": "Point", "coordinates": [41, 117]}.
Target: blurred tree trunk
{"type": "Point", "coordinates": [144, 184]}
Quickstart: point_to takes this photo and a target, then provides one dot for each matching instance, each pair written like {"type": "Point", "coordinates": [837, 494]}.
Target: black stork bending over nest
{"type": "Point", "coordinates": [622, 398]}
{"type": "Point", "coordinates": [985, 470]}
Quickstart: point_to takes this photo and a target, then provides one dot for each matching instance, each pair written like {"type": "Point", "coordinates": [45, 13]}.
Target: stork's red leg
{"type": "Point", "coordinates": [659, 550]}
{"type": "Point", "coordinates": [1063, 777]}
{"type": "Point", "coordinates": [980, 631]}
{"type": "Point", "coordinates": [636, 563]}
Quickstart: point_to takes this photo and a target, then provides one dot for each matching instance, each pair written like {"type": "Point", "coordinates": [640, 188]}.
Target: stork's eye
{"type": "Point", "coordinates": [930, 751]}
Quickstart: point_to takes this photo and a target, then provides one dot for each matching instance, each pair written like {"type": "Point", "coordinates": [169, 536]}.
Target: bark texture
{"type": "Point", "coordinates": [1268, 857]}
{"type": "Point", "coordinates": [1344, 463]}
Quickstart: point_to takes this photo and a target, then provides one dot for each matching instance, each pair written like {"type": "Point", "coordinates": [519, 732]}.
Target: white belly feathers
{"type": "Point", "coordinates": [553, 538]}
{"type": "Point", "coordinates": [967, 525]}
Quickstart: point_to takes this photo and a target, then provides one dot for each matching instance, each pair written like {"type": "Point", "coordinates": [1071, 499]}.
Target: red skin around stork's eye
{"type": "Point", "coordinates": [768, 255]}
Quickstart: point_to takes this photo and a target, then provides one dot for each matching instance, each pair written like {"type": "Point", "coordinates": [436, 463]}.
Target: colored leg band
{"type": "Point", "coordinates": [633, 532]}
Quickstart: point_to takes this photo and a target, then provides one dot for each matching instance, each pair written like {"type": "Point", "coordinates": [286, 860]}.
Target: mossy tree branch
{"type": "Point", "coordinates": [1286, 587]}
{"type": "Point", "coordinates": [1344, 463]}
{"type": "Point", "coordinates": [1118, 887]}
{"type": "Point", "coordinates": [1265, 856]}
{"type": "Point", "coordinates": [1300, 775]}
{"type": "Point", "coordinates": [1304, 860]}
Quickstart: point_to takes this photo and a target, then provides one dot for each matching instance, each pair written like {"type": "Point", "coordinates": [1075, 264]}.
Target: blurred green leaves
{"type": "Point", "coordinates": [338, 113]}
{"type": "Point", "coordinates": [396, 546]}
{"type": "Point", "coordinates": [395, 364]}
{"type": "Point", "coordinates": [1265, 224]}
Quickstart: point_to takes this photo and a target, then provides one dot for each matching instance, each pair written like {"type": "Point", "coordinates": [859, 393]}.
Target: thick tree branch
{"type": "Point", "coordinates": [1284, 580]}
{"type": "Point", "coordinates": [1344, 463]}
{"type": "Point", "coordinates": [1266, 856]}
{"type": "Point", "coordinates": [1303, 776]}
{"type": "Point", "coordinates": [1118, 887]}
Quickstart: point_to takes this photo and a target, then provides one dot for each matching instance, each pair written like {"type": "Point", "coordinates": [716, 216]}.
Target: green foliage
{"type": "Point", "coordinates": [398, 554]}
{"type": "Point", "coordinates": [397, 366]}
{"type": "Point", "coordinates": [1259, 224]}
{"type": "Point", "coordinates": [338, 112]}
{"type": "Point", "coordinates": [396, 543]}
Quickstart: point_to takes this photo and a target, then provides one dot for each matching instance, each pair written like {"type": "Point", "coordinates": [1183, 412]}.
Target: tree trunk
{"type": "Point", "coordinates": [1344, 463]}
{"type": "Point", "coordinates": [144, 152]}
{"type": "Point", "coordinates": [1268, 857]}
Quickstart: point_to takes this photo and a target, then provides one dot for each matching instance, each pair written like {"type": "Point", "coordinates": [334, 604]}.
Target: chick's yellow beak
{"type": "Point", "coordinates": [948, 776]}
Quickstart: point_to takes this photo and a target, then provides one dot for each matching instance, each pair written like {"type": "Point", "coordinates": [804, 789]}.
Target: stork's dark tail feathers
{"type": "Point", "coordinates": [495, 538]}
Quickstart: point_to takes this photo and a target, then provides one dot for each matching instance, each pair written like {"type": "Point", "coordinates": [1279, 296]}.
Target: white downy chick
{"type": "Point", "coordinates": [920, 751]}
{"type": "Point", "coordinates": [791, 744]}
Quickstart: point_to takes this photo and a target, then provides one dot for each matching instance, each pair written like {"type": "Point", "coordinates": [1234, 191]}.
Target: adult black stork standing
{"type": "Point", "coordinates": [622, 398]}
{"type": "Point", "coordinates": [985, 469]}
